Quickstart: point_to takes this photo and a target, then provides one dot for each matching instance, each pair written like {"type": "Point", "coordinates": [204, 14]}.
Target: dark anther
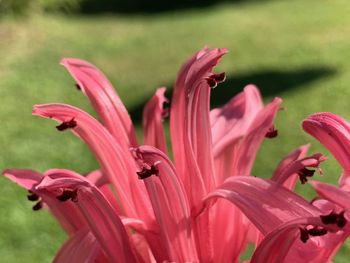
{"type": "Point", "coordinates": [37, 206]}
{"type": "Point", "coordinates": [304, 235]}
{"type": "Point", "coordinates": [77, 86]}
{"type": "Point", "coordinates": [211, 82]}
{"type": "Point", "coordinates": [334, 218]}
{"type": "Point", "coordinates": [304, 173]}
{"type": "Point", "coordinates": [32, 197]}
{"type": "Point", "coordinates": [220, 77]}
{"type": "Point", "coordinates": [341, 222]}
{"type": "Point", "coordinates": [67, 125]}
{"type": "Point", "coordinates": [68, 195]}
{"type": "Point", "coordinates": [271, 133]}
{"type": "Point", "coordinates": [317, 231]}
{"type": "Point", "coordinates": [145, 172]}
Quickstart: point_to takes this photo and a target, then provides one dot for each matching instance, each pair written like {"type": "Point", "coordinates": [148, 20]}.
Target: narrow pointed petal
{"type": "Point", "coordinates": [152, 121]}
{"type": "Point", "coordinates": [300, 168]}
{"type": "Point", "coordinates": [255, 135]}
{"type": "Point", "coordinates": [287, 161]}
{"type": "Point", "coordinates": [115, 162]}
{"type": "Point", "coordinates": [25, 178]}
{"type": "Point", "coordinates": [100, 216]}
{"type": "Point", "coordinates": [82, 247]}
{"type": "Point", "coordinates": [66, 214]}
{"type": "Point", "coordinates": [332, 193]}
{"type": "Point", "coordinates": [104, 99]}
{"type": "Point", "coordinates": [169, 203]}
{"type": "Point", "coordinates": [333, 132]}
{"type": "Point", "coordinates": [190, 123]}
{"type": "Point", "coordinates": [284, 243]}
{"type": "Point", "coordinates": [265, 203]}
{"type": "Point", "coordinates": [232, 121]}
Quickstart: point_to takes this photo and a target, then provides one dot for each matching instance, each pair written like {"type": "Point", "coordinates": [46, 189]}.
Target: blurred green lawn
{"type": "Point", "coordinates": [298, 50]}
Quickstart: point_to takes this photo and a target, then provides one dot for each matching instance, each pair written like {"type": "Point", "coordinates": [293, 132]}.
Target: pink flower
{"type": "Point", "coordinates": [140, 207]}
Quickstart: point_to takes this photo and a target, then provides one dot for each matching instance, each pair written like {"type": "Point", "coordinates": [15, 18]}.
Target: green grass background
{"type": "Point", "coordinates": [298, 50]}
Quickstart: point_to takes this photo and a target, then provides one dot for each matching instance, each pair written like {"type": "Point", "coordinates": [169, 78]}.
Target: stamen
{"type": "Point", "coordinates": [334, 218]}
{"type": "Point", "coordinates": [219, 78]}
{"type": "Point", "coordinates": [304, 235]}
{"type": "Point", "coordinates": [304, 173]}
{"type": "Point", "coordinates": [32, 197]}
{"type": "Point", "coordinates": [68, 195]}
{"type": "Point", "coordinates": [271, 133]}
{"type": "Point", "coordinates": [37, 206]}
{"type": "Point", "coordinates": [67, 125]}
{"type": "Point", "coordinates": [211, 82]}
{"type": "Point", "coordinates": [145, 172]}
{"type": "Point", "coordinates": [317, 231]}
{"type": "Point", "coordinates": [77, 86]}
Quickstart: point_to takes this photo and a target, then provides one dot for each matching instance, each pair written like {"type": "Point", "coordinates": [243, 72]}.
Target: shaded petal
{"type": "Point", "coordinates": [115, 162]}
{"type": "Point", "coordinates": [332, 193]}
{"type": "Point", "coordinates": [104, 99]}
{"type": "Point", "coordinates": [25, 178]}
{"type": "Point", "coordinates": [152, 121]}
{"type": "Point", "coordinates": [82, 247]}
{"type": "Point", "coordinates": [266, 204]}
{"type": "Point", "coordinates": [250, 144]}
{"type": "Point", "coordinates": [169, 203]}
{"type": "Point", "coordinates": [100, 216]}
{"type": "Point", "coordinates": [284, 244]}
{"type": "Point", "coordinates": [333, 132]}
{"type": "Point", "coordinates": [232, 121]}
{"type": "Point", "coordinates": [190, 123]}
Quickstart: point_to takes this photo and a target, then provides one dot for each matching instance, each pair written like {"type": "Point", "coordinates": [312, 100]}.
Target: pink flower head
{"type": "Point", "coordinates": [140, 207]}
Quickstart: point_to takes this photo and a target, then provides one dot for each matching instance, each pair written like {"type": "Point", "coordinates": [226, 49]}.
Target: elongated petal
{"type": "Point", "coordinates": [100, 216]}
{"type": "Point", "coordinates": [251, 142]}
{"type": "Point", "coordinates": [66, 214]}
{"type": "Point", "coordinates": [82, 247]}
{"type": "Point", "coordinates": [115, 162]}
{"type": "Point", "coordinates": [287, 161]}
{"type": "Point", "coordinates": [233, 120]}
{"type": "Point", "coordinates": [190, 123]}
{"type": "Point", "coordinates": [152, 121]}
{"type": "Point", "coordinates": [104, 99]}
{"type": "Point", "coordinates": [332, 193]}
{"type": "Point", "coordinates": [284, 244]}
{"type": "Point", "coordinates": [333, 132]}
{"type": "Point", "coordinates": [265, 203]}
{"type": "Point", "coordinates": [169, 203]}
{"type": "Point", "coordinates": [25, 178]}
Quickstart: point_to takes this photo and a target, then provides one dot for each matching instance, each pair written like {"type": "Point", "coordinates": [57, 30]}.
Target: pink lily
{"type": "Point", "coordinates": [206, 207]}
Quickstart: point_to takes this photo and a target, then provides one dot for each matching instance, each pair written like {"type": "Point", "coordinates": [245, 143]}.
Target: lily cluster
{"type": "Point", "coordinates": [139, 206]}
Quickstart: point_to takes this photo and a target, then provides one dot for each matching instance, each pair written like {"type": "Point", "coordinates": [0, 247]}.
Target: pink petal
{"type": "Point", "coordinates": [250, 144]}
{"type": "Point", "coordinates": [100, 216]}
{"type": "Point", "coordinates": [232, 121]}
{"type": "Point", "coordinates": [169, 203]}
{"type": "Point", "coordinates": [104, 99]}
{"type": "Point", "coordinates": [152, 121]}
{"type": "Point", "coordinates": [115, 162]}
{"type": "Point", "coordinates": [332, 193]}
{"type": "Point", "coordinates": [82, 247]}
{"type": "Point", "coordinates": [23, 177]}
{"type": "Point", "coordinates": [284, 244]}
{"type": "Point", "coordinates": [266, 204]}
{"type": "Point", "coordinates": [333, 132]}
{"type": "Point", "coordinates": [190, 123]}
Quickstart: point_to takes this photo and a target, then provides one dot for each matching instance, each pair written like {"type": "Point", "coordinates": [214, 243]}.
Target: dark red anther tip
{"type": "Point", "coordinates": [37, 206]}
{"type": "Point", "coordinates": [32, 197]}
{"type": "Point", "coordinates": [304, 173]}
{"type": "Point", "coordinates": [77, 86]}
{"type": "Point", "coordinates": [334, 218]}
{"type": "Point", "coordinates": [317, 231]}
{"type": "Point", "coordinates": [147, 172]}
{"type": "Point", "coordinates": [211, 82]}
{"type": "Point", "coordinates": [271, 133]}
{"type": "Point", "coordinates": [304, 235]}
{"type": "Point", "coordinates": [68, 195]}
{"type": "Point", "coordinates": [67, 125]}
{"type": "Point", "coordinates": [220, 77]}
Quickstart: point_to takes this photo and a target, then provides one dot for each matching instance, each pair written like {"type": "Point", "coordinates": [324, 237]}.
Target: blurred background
{"type": "Point", "coordinates": [298, 50]}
